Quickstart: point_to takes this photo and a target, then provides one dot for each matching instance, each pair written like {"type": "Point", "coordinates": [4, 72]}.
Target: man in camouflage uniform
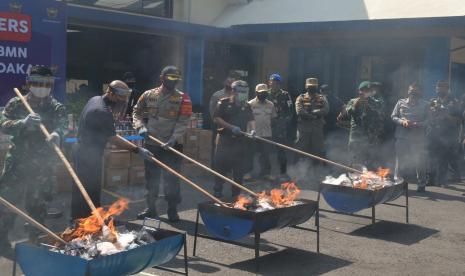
{"type": "Point", "coordinates": [29, 161]}
{"type": "Point", "coordinates": [280, 125]}
{"type": "Point", "coordinates": [164, 113]}
{"type": "Point", "coordinates": [311, 108]}
{"type": "Point", "coordinates": [366, 124]}
{"type": "Point", "coordinates": [442, 132]}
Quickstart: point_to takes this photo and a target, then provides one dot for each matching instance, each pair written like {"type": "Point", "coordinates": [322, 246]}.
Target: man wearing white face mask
{"type": "Point", "coordinates": [26, 173]}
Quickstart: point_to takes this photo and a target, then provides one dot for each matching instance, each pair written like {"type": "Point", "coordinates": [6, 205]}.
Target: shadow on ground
{"type": "Point", "coordinates": [406, 234]}
{"type": "Point", "coordinates": [292, 261]}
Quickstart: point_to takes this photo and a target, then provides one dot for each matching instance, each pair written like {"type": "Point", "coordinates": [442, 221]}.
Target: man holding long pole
{"type": "Point", "coordinates": [233, 115]}
{"type": "Point", "coordinates": [164, 113]}
{"type": "Point", "coordinates": [96, 127]}
{"type": "Point", "coordinates": [29, 161]}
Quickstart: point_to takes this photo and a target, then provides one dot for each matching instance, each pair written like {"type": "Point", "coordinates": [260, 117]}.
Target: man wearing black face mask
{"type": "Point", "coordinates": [311, 108]}
{"type": "Point", "coordinates": [264, 112]}
{"type": "Point", "coordinates": [442, 132]}
{"type": "Point", "coordinates": [164, 113]}
{"type": "Point", "coordinates": [96, 127]}
{"type": "Point", "coordinates": [410, 116]}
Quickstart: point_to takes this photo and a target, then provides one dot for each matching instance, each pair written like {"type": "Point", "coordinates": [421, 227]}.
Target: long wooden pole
{"type": "Point", "coordinates": [64, 160]}
{"type": "Point", "coordinates": [171, 170]}
{"type": "Point", "coordinates": [32, 221]}
{"type": "Point", "coordinates": [303, 153]}
{"type": "Point", "coordinates": [232, 182]}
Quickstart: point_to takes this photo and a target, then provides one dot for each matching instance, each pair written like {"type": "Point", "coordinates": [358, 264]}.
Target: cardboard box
{"type": "Point", "coordinates": [117, 159]}
{"type": "Point", "coordinates": [136, 160]}
{"type": "Point", "coordinates": [64, 181]}
{"type": "Point", "coordinates": [191, 152]}
{"type": "Point", "coordinates": [205, 138]}
{"type": "Point", "coordinates": [116, 177]}
{"type": "Point", "coordinates": [137, 175]}
{"type": "Point", "coordinates": [191, 138]}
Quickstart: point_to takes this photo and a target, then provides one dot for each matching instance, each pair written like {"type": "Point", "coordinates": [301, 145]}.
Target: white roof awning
{"type": "Point", "coordinates": [297, 11]}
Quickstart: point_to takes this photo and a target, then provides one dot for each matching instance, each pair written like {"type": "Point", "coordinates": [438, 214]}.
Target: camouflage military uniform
{"type": "Point", "coordinates": [283, 104]}
{"type": "Point", "coordinates": [165, 115]}
{"type": "Point", "coordinates": [311, 110]}
{"type": "Point", "coordinates": [29, 162]}
{"type": "Point", "coordinates": [442, 135]}
{"type": "Point", "coordinates": [366, 125]}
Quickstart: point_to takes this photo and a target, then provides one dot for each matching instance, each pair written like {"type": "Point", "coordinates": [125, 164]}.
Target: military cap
{"type": "Point", "coordinates": [261, 88]}
{"type": "Point", "coordinates": [364, 85]}
{"type": "Point", "coordinates": [311, 82]}
{"type": "Point", "coordinates": [171, 73]}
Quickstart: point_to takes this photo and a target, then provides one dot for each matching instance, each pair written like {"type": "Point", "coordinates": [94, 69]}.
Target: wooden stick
{"type": "Point", "coordinates": [232, 182]}
{"type": "Point", "coordinates": [31, 220]}
{"type": "Point", "coordinates": [171, 170]}
{"type": "Point", "coordinates": [64, 160]}
{"type": "Point", "coordinates": [303, 153]}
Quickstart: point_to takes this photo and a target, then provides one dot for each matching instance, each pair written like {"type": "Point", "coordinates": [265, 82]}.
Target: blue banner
{"type": "Point", "coordinates": [32, 32]}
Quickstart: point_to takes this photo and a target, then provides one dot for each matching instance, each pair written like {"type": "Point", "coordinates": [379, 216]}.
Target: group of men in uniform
{"type": "Point", "coordinates": [423, 131]}
{"type": "Point", "coordinates": [162, 112]}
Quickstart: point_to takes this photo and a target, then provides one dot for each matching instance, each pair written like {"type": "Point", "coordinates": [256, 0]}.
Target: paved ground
{"type": "Point", "coordinates": [432, 244]}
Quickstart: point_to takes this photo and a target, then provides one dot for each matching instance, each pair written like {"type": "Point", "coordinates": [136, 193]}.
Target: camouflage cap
{"type": "Point", "coordinates": [311, 82]}
{"type": "Point", "coordinates": [364, 85]}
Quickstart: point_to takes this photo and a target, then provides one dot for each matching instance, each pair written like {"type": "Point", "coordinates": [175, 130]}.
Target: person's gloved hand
{"type": "Point", "coordinates": [236, 130]}
{"type": "Point", "coordinates": [171, 142]}
{"type": "Point", "coordinates": [144, 153]}
{"type": "Point", "coordinates": [31, 121]}
{"type": "Point", "coordinates": [252, 133]}
{"type": "Point", "coordinates": [143, 132]}
{"type": "Point", "coordinates": [54, 139]}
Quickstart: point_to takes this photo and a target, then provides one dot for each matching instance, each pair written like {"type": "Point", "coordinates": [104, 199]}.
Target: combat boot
{"type": "Point", "coordinates": [148, 213]}
{"type": "Point", "coordinates": [172, 212]}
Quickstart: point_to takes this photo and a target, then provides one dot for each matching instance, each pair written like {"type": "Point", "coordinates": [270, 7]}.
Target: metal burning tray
{"type": "Point", "coordinates": [38, 260]}
{"type": "Point", "coordinates": [230, 224]}
{"type": "Point", "coordinates": [349, 200]}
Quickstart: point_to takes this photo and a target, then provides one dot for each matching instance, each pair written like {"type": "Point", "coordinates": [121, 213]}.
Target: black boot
{"type": "Point", "coordinates": [148, 213]}
{"type": "Point", "coordinates": [172, 212]}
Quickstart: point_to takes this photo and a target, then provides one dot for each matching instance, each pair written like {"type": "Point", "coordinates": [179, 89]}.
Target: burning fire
{"type": "Point", "coordinates": [370, 176]}
{"type": "Point", "coordinates": [276, 198]}
{"type": "Point", "coordinates": [92, 224]}
{"type": "Point", "coordinates": [241, 202]}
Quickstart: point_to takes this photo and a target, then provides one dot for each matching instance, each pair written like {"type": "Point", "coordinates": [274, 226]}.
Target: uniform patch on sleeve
{"type": "Point", "coordinates": [186, 105]}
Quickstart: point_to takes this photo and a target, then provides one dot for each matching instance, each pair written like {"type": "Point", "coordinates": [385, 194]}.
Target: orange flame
{"type": "Point", "coordinates": [92, 225]}
{"type": "Point", "coordinates": [282, 197]}
{"type": "Point", "coordinates": [383, 172]}
{"type": "Point", "coordinates": [241, 202]}
{"type": "Point", "coordinates": [370, 176]}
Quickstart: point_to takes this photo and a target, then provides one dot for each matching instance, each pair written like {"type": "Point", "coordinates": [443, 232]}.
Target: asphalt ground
{"type": "Point", "coordinates": [433, 243]}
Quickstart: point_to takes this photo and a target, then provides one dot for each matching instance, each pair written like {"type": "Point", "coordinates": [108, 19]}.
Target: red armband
{"type": "Point", "coordinates": [186, 106]}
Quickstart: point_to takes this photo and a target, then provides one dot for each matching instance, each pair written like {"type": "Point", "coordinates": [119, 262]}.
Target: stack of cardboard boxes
{"type": "Point", "coordinates": [198, 146]}
{"type": "Point", "coordinates": [123, 168]}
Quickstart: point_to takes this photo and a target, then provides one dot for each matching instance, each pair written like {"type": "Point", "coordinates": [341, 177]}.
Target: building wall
{"type": "Point", "coordinates": [201, 11]}
{"type": "Point", "coordinates": [275, 60]}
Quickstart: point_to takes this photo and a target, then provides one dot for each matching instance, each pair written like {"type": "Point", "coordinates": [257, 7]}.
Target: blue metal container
{"type": "Point", "coordinates": [40, 261]}
{"type": "Point", "coordinates": [350, 200]}
{"type": "Point", "coordinates": [233, 224]}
